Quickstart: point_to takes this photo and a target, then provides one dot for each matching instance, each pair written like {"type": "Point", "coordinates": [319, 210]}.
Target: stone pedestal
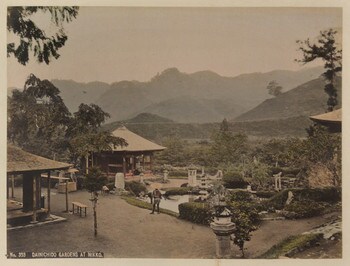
{"type": "Point", "coordinates": [119, 181]}
{"type": "Point", "coordinates": [223, 228]}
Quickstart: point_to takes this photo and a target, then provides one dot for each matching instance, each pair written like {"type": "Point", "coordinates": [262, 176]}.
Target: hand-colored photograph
{"type": "Point", "coordinates": [174, 132]}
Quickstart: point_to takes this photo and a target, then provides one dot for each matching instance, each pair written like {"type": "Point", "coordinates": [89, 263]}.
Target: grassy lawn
{"type": "Point", "coordinates": [146, 205]}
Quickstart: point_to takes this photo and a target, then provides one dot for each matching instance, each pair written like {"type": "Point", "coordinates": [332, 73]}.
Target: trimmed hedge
{"type": "Point", "coordinates": [178, 173]}
{"type": "Point", "coordinates": [195, 212]}
{"type": "Point", "coordinates": [305, 209]}
{"type": "Point", "coordinates": [135, 187]}
{"type": "Point", "coordinates": [330, 195]}
{"type": "Point", "coordinates": [234, 181]}
{"type": "Point", "coordinates": [177, 191]}
{"type": "Point", "coordinates": [241, 195]}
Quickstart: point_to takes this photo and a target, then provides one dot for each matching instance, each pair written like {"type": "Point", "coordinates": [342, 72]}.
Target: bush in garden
{"type": "Point", "coordinates": [305, 209]}
{"type": "Point", "coordinates": [110, 186]}
{"type": "Point", "coordinates": [178, 173]}
{"type": "Point", "coordinates": [177, 191]}
{"type": "Point", "coordinates": [246, 219]}
{"type": "Point", "coordinates": [241, 195]}
{"type": "Point", "coordinates": [135, 187]}
{"type": "Point", "coordinates": [331, 195]}
{"type": "Point", "coordinates": [195, 212]}
{"type": "Point", "coordinates": [234, 180]}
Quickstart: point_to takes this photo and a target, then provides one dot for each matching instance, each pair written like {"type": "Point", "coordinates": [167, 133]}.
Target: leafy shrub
{"type": "Point", "coordinates": [177, 191]}
{"type": "Point", "coordinates": [305, 209]}
{"type": "Point", "coordinates": [246, 219]}
{"type": "Point", "coordinates": [234, 180]}
{"type": "Point", "coordinates": [195, 212]}
{"type": "Point", "coordinates": [135, 187]}
{"type": "Point", "coordinates": [246, 207]}
{"type": "Point", "coordinates": [330, 195]}
{"type": "Point", "coordinates": [177, 173]}
{"type": "Point", "coordinates": [95, 180]}
{"type": "Point", "coordinates": [240, 195]}
{"type": "Point", "coordinates": [111, 185]}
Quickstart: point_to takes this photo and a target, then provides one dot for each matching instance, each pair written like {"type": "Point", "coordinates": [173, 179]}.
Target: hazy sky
{"type": "Point", "coordinates": [119, 43]}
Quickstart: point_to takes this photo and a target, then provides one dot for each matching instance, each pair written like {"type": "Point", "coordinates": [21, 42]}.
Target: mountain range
{"type": "Point", "coordinates": [198, 97]}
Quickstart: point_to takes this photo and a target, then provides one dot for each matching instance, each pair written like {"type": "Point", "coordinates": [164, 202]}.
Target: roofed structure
{"type": "Point", "coordinates": [20, 161]}
{"type": "Point", "coordinates": [332, 120]}
{"type": "Point", "coordinates": [134, 158]}
{"type": "Point", "coordinates": [135, 142]}
{"type": "Point", "coordinates": [30, 167]}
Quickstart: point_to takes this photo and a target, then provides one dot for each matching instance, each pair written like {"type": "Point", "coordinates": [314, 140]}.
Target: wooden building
{"type": "Point", "coordinates": [31, 167]}
{"type": "Point", "coordinates": [136, 156]}
{"type": "Point", "coordinates": [332, 120]}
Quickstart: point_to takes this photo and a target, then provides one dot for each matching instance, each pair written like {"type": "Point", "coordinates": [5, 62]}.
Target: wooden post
{"type": "Point", "coordinates": [48, 192]}
{"type": "Point", "coordinates": [87, 164]}
{"type": "Point", "coordinates": [279, 183]}
{"type": "Point", "coordinates": [12, 186]}
{"type": "Point", "coordinates": [34, 219]}
{"type": "Point", "coordinates": [124, 165]}
{"type": "Point", "coordinates": [132, 163]}
{"type": "Point", "coordinates": [150, 162]}
{"type": "Point", "coordinates": [66, 195]}
{"type": "Point", "coordinates": [39, 190]}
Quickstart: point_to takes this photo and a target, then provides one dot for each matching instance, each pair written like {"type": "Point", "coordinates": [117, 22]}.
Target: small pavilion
{"type": "Point", "coordinates": [332, 120]}
{"type": "Point", "coordinates": [31, 167]}
{"type": "Point", "coordinates": [137, 155]}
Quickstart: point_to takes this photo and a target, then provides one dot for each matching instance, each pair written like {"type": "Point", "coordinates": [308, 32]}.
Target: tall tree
{"type": "Point", "coordinates": [37, 117]}
{"type": "Point", "coordinates": [325, 49]}
{"type": "Point", "coordinates": [32, 37]}
{"type": "Point", "coordinates": [227, 147]}
{"type": "Point", "coordinates": [88, 119]}
{"type": "Point", "coordinates": [84, 135]}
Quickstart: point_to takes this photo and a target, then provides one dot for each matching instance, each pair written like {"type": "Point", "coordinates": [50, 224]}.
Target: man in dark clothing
{"type": "Point", "coordinates": [156, 200]}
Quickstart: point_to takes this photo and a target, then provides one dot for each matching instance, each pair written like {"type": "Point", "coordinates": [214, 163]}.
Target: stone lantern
{"type": "Point", "coordinates": [222, 225]}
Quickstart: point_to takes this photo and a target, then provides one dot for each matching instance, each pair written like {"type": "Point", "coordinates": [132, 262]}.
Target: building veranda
{"type": "Point", "coordinates": [136, 157]}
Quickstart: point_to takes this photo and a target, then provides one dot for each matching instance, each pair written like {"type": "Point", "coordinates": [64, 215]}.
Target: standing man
{"type": "Point", "coordinates": [156, 200]}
